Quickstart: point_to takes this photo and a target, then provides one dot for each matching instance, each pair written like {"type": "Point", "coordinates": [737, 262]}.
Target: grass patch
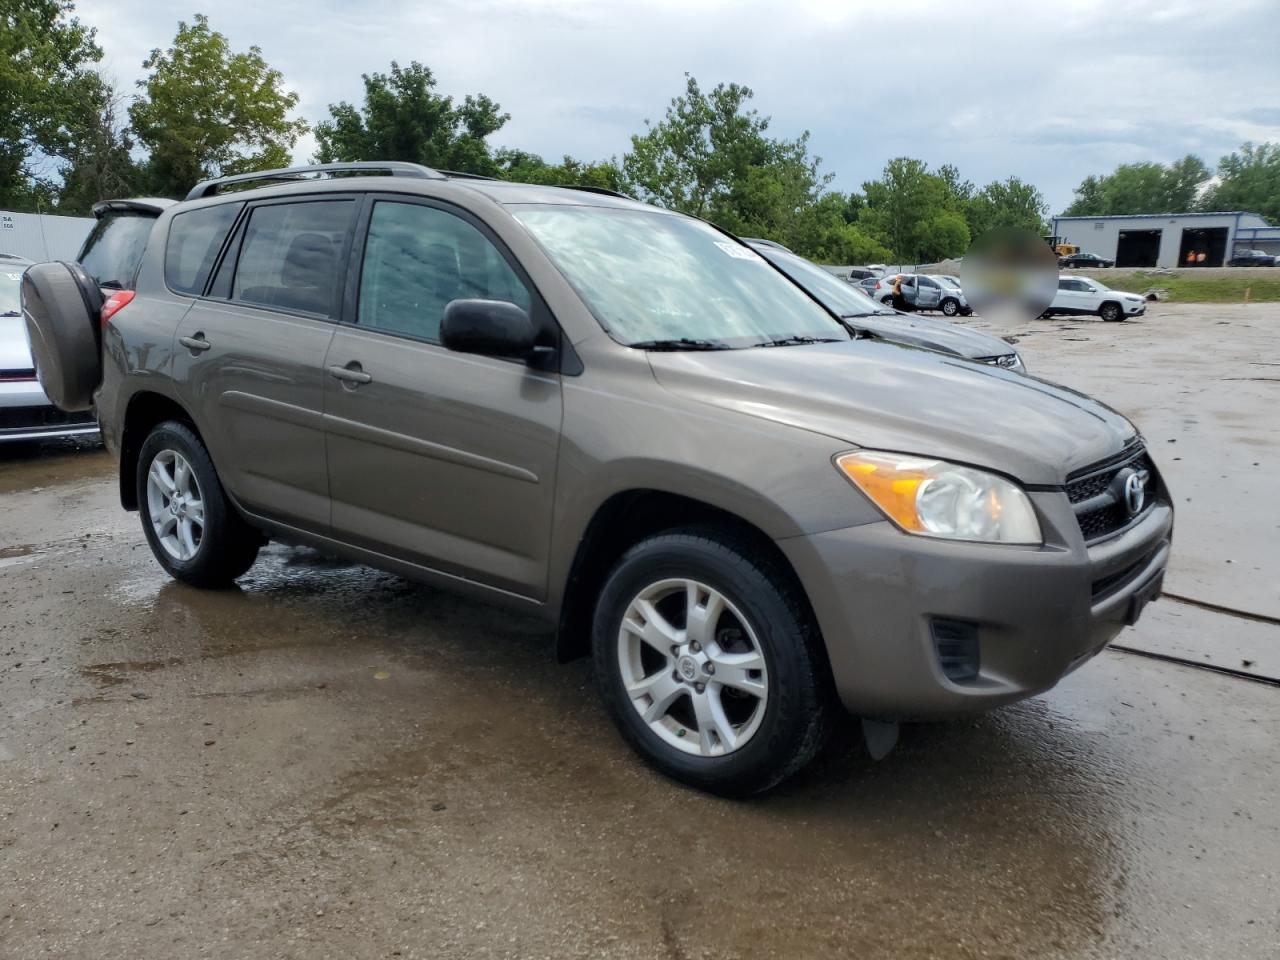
{"type": "Point", "coordinates": [1185, 288]}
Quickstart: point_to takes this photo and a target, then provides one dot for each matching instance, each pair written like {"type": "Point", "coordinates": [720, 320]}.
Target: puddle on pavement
{"type": "Point", "coordinates": [28, 467]}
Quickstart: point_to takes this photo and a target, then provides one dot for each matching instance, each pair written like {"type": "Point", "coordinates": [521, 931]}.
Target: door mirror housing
{"type": "Point", "coordinates": [491, 328]}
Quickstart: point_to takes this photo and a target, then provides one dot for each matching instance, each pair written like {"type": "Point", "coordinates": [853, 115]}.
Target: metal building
{"type": "Point", "coordinates": [1169, 239]}
{"type": "Point", "coordinates": [41, 236]}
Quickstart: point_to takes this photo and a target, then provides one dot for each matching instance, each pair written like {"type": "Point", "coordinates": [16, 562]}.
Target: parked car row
{"type": "Point", "coordinates": [729, 489]}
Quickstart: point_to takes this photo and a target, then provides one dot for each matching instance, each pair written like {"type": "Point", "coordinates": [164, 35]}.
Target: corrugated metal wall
{"type": "Point", "coordinates": [41, 236]}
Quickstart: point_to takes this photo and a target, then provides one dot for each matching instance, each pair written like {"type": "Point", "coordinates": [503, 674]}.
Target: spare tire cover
{"type": "Point", "coordinates": [62, 307]}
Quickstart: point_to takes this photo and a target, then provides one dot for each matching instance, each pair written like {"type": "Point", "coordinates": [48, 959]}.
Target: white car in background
{"type": "Point", "coordinates": [1083, 296]}
{"type": "Point", "coordinates": [25, 411]}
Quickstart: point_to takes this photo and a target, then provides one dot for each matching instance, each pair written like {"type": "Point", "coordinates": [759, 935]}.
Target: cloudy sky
{"type": "Point", "coordinates": [1047, 91]}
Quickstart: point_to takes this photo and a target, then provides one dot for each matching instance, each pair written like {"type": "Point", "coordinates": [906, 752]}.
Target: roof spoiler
{"type": "Point", "coordinates": [394, 168]}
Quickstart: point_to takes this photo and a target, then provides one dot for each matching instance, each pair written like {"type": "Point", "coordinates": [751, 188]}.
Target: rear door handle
{"type": "Point", "coordinates": [196, 344]}
{"type": "Point", "coordinates": [351, 374]}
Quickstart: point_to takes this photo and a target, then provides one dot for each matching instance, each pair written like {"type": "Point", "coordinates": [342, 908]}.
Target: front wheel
{"type": "Point", "coordinates": [950, 308]}
{"type": "Point", "coordinates": [194, 531]}
{"type": "Point", "coordinates": [1110, 312]}
{"type": "Point", "coordinates": [709, 662]}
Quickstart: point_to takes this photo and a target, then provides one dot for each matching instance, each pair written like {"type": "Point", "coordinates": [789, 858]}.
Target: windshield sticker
{"type": "Point", "coordinates": [738, 251]}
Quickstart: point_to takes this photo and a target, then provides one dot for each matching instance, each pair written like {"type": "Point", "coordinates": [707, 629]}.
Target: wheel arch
{"type": "Point", "coordinates": [145, 410]}
{"type": "Point", "coordinates": [620, 522]}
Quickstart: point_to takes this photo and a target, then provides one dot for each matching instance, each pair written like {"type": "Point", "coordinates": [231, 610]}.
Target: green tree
{"type": "Point", "coordinates": [404, 118]}
{"type": "Point", "coordinates": [1006, 203]}
{"type": "Point", "coordinates": [208, 111]}
{"type": "Point", "coordinates": [915, 213]}
{"type": "Point", "coordinates": [98, 152]}
{"type": "Point", "coordinates": [524, 167]}
{"type": "Point", "coordinates": [711, 156]}
{"type": "Point", "coordinates": [45, 58]}
{"type": "Point", "coordinates": [1141, 188]}
{"type": "Point", "coordinates": [1248, 180]}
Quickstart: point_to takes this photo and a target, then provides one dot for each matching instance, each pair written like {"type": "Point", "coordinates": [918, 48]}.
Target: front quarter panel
{"type": "Point", "coordinates": [623, 432]}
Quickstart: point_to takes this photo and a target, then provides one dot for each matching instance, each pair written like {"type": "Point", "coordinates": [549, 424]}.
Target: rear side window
{"type": "Point", "coordinates": [291, 257]}
{"type": "Point", "coordinates": [417, 259]}
{"type": "Point", "coordinates": [113, 251]}
{"type": "Point", "coordinates": [195, 237]}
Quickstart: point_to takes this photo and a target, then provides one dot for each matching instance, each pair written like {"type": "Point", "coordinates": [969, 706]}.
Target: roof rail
{"type": "Point", "coordinates": [589, 189]}
{"type": "Point", "coordinates": [458, 174]}
{"type": "Point", "coordinates": [394, 168]}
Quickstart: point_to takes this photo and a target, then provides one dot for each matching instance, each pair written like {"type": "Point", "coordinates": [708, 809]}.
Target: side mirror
{"type": "Point", "coordinates": [492, 328]}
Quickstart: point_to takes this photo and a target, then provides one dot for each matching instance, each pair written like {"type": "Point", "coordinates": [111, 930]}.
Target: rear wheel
{"type": "Point", "coordinates": [1110, 312]}
{"type": "Point", "coordinates": [194, 531]}
{"type": "Point", "coordinates": [709, 662]}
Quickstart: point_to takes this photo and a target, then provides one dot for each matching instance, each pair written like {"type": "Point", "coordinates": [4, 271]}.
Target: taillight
{"type": "Point", "coordinates": [114, 304]}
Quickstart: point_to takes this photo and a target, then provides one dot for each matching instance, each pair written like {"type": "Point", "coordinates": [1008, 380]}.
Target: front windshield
{"type": "Point", "coordinates": [841, 298]}
{"type": "Point", "coordinates": [10, 283]}
{"type": "Point", "coordinates": [654, 277]}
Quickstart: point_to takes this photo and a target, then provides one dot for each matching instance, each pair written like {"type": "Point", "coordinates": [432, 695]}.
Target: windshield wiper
{"type": "Point", "coordinates": [795, 341]}
{"type": "Point", "coordinates": [869, 313]}
{"type": "Point", "coordinates": [11, 313]}
{"type": "Point", "coordinates": [680, 343]}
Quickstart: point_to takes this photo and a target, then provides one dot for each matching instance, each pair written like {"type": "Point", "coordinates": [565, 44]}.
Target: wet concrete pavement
{"type": "Point", "coordinates": [332, 762]}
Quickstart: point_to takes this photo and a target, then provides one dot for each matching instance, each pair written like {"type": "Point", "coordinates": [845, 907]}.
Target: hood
{"type": "Point", "coordinates": [889, 397]}
{"type": "Point", "coordinates": [15, 351]}
{"type": "Point", "coordinates": [932, 334]}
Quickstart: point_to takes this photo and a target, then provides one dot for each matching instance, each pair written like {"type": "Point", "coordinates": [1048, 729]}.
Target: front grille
{"type": "Point", "coordinates": [35, 418]}
{"type": "Point", "coordinates": [1099, 507]}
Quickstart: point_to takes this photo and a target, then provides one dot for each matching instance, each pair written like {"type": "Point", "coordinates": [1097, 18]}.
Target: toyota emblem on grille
{"type": "Point", "coordinates": [1135, 492]}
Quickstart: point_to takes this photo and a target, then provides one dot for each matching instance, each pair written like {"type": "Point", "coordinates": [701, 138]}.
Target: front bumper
{"type": "Point", "coordinates": [27, 414]}
{"type": "Point", "coordinates": [1135, 309]}
{"type": "Point", "coordinates": [1037, 612]}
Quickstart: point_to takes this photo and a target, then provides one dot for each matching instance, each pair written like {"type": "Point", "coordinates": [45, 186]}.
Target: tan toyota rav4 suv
{"type": "Point", "coordinates": [623, 420]}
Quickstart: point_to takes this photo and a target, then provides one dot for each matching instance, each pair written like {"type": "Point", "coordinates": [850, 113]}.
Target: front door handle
{"type": "Point", "coordinates": [350, 374]}
{"type": "Point", "coordinates": [196, 344]}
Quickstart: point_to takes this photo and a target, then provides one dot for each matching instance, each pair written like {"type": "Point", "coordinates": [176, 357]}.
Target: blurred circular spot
{"type": "Point", "coordinates": [1009, 275]}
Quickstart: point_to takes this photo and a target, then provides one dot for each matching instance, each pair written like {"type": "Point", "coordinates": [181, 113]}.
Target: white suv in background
{"type": "Point", "coordinates": [1081, 295]}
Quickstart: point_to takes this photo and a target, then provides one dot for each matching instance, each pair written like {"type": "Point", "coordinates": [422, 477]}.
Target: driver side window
{"type": "Point", "coordinates": [417, 259]}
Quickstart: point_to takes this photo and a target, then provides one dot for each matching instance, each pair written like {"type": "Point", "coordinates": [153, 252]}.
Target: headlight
{"type": "Point", "coordinates": [934, 498]}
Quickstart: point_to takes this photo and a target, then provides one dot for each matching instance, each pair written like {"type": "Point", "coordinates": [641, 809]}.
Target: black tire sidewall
{"type": "Point", "coordinates": [225, 541]}
{"type": "Point", "coordinates": [782, 633]}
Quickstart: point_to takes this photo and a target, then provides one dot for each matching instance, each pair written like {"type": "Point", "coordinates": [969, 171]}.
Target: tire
{"type": "Point", "coordinates": [1110, 312]}
{"type": "Point", "coordinates": [226, 546]}
{"type": "Point", "coordinates": [62, 306]}
{"type": "Point", "coordinates": [764, 621]}
{"type": "Point", "coordinates": [950, 307]}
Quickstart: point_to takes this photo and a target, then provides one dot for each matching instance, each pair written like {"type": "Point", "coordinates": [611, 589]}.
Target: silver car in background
{"type": "Point", "coordinates": [25, 411]}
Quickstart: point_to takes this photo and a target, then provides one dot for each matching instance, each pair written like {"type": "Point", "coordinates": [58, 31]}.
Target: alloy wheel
{"type": "Point", "coordinates": [175, 505]}
{"type": "Point", "coordinates": [693, 667]}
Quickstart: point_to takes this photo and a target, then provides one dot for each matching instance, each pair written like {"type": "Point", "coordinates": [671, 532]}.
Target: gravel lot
{"type": "Point", "coordinates": [333, 762]}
